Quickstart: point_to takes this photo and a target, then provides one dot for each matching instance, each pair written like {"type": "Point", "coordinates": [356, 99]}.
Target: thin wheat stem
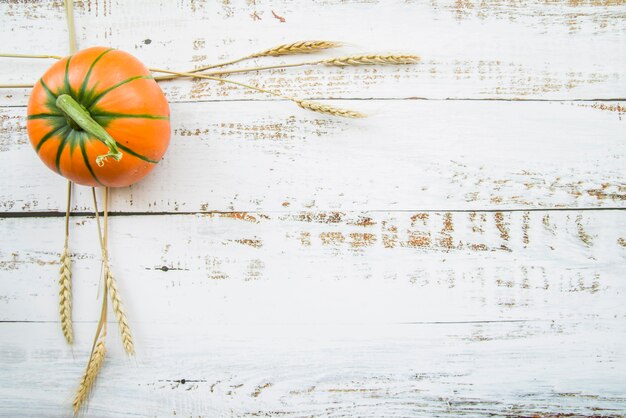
{"type": "Point", "coordinates": [110, 283]}
{"type": "Point", "coordinates": [96, 359]}
{"type": "Point", "coordinates": [16, 86]}
{"type": "Point", "coordinates": [71, 28]}
{"type": "Point", "coordinates": [357, 60]}
{"type": "Point", "coordinates": [67, 209]}
{"type": "Point", "coordinates": [207, 67]}
{"type": "Point", "coordinates": [305, 104]}
{"type": "Point", "coordinates": [97, 216]}
{"type": "Point", "coordinates": [106, 223]}
{"type": "Point", "coordinates": [98, 348]}
{"type": "Point", "coordinates": [24, 85]}
{"type": "Point", "coordinates": [56, 57]}
{"type": "Point", "coordinates": [264, 67]}
{"type": "Point", "coordinates": [223, 80]}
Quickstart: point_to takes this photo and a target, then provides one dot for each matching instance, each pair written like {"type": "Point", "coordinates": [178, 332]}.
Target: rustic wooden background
{"type": "Point", "coordinates": [459, 253]}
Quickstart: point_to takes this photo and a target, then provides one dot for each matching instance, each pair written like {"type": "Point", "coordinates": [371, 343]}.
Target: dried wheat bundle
{"type": "Point", "coordinates": [302, 47]}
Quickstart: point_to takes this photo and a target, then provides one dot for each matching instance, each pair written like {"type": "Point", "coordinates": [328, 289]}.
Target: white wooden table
{"type": "Point", "coordinates": [461, 252]}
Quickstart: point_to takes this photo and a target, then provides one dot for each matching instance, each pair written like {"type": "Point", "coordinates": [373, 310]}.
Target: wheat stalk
{"type": "Point", "coordinates": [295, 48]}
{"type": "Point", "coordinates": [329, 110]}
{"type": "Point", "coordinates": [71, 27]}
{"type": "Point", "coordinates": [16, 86]}
{"type": "Point", "coordinates": [23, 85]}
{"type": "Point", "coordinates": [301, 47]}
{"type": "Point", "coordinates": [65, 295]}
{"type": "Point", "coordinates": [118, 308]}
{"type": "Point", "coordinates": [110, 283]}
{"type": "Point", "coordinates": [93, 367]}
{"type": "Point", "coordinates": [56, 57]}
{"type": "Point", "coordinates": [98, 349]}
{"type": "Point", "coordinates": [337, 61]}
{"type": "Point", "coordinates": [305, 104]}
{"type": "Point", "coordinates": [371, 60]}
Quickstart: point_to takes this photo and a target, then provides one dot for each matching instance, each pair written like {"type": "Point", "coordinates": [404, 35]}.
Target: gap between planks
{"type": "Point", "coordinates": [491, 321]}
{"type": "Point", "coordinates": [280, 212]}
{"type": "Point", "coordinates": [388, 99]}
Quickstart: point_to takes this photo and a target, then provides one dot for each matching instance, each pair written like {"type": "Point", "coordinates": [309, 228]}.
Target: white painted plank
{"type": "Point", "coordinates": [327, 267]}
{"type": "Point", "coordinates": [416, 155]}
{"type": "Point", "coordinates": [349, 288]}
{"type": "Point", "coordinates": [538, 368]}
{"type": "Point", "coordinates": [471, 49]}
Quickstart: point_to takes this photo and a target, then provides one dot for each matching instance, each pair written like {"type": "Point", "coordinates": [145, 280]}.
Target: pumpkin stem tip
{"type": "Point", "coordinates": [100, 160]}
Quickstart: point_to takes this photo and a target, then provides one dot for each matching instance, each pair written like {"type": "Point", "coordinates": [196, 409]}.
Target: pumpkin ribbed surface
{"type": "Point", "coordinates": [118, 93]}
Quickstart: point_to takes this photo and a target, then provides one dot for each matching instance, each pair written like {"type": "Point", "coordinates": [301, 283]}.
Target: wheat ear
{"type": "Point", "coordinates": [118, 308]}
{"type": "Point", "coordinates": [301, 47]}
{"type": "Point", "coordinates": [65, 295]}
{"type": "Point", "coordinates": [93, 368]}
{"type": "Point", "coordinates": [65, 277]}
{"type": "Point", "coordinates": [371, 60]}
{"type": "Point", "coordinates": [329, 110]}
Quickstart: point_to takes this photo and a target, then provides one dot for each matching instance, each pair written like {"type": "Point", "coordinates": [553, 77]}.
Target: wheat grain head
{"type": "Point", "coordinates": [118, 308]}
{"type": "Point", "coordinates": [86, 383]}
{"type": "Point", "coordinates": [65, 295]}
{"type": "Point", "coordinates": [302, 47]}
{"type": "Point", "coordinates": [328, 110]}
{"type": "Point", "coordinates": [371, 60]}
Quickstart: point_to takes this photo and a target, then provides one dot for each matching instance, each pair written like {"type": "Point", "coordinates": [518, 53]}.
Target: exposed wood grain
{"type": "Point", "coordinates": [327, 267]}
{"type": "Point", "coordinates": [471, 49]}
{"type": "Point", "coordinates": [423, 370]}
{"type": "Point", "coordinates": [418, 155]}
{"type": "Point", "coordinates": [441, 258]}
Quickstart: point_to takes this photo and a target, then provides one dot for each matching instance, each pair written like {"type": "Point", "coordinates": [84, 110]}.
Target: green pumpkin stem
{"type": "Point", "coordinates": [77, 115]}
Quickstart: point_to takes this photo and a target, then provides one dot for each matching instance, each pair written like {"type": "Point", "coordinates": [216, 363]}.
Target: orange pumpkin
{"type": "Point", "coordinates": [98, 118]}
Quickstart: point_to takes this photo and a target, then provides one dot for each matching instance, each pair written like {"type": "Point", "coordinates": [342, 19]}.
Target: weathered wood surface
{"type": "Point", "coordinates": [329, 267]}
{"type": "Point", "coordinates": [457, 257]}
{"type": "Point", "coordinates": [417, 155]}
{"type": "Point", "coordinates": [454, 369]}
{"type": "Point", "coordinates": [559, 49]}
{"type": "Point", "coordinates": [328, 314]}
